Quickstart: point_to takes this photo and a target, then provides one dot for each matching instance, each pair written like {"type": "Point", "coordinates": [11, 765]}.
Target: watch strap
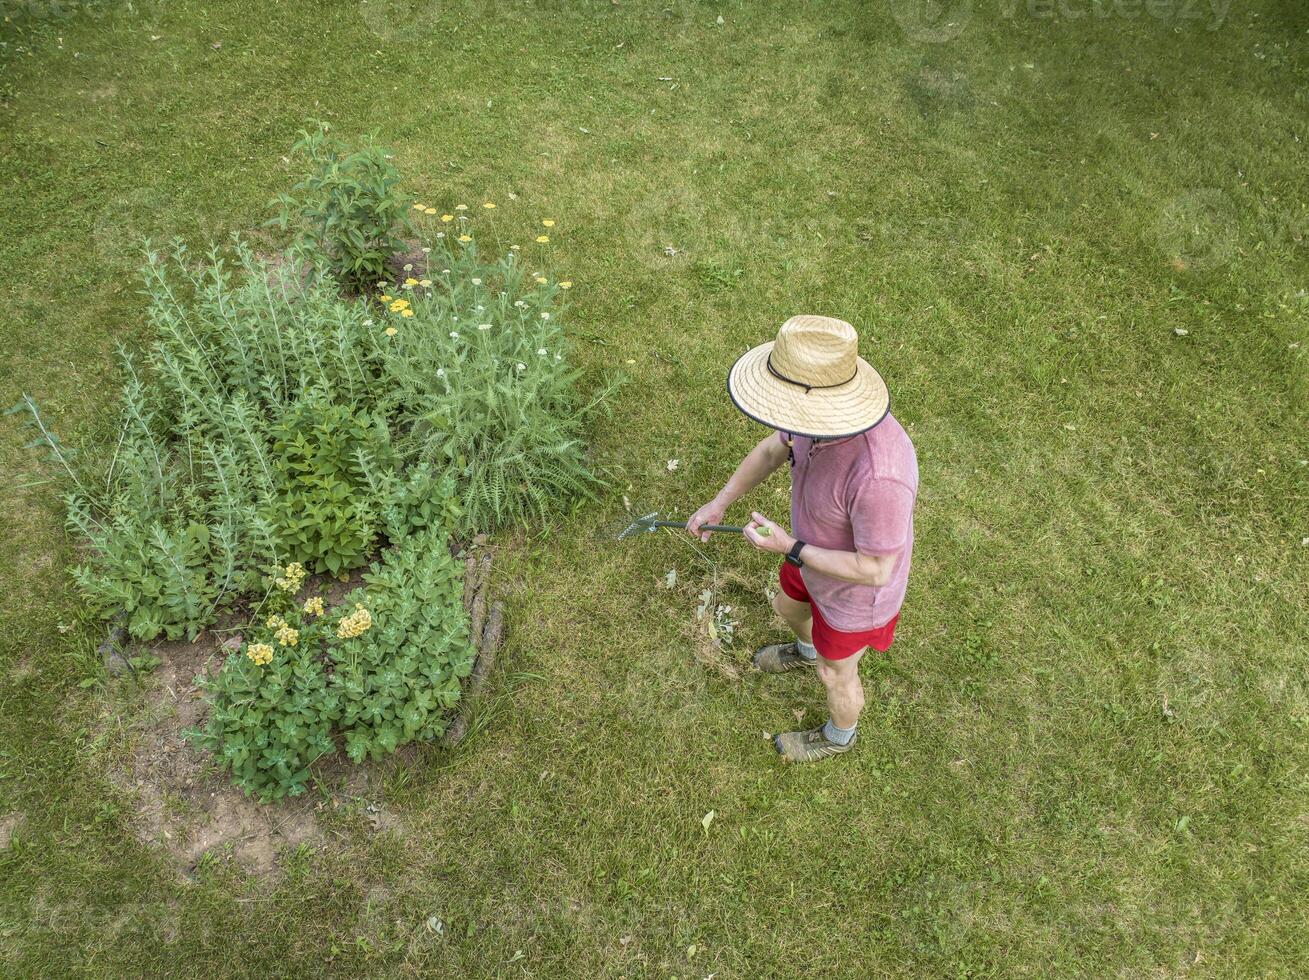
{"type": "Point", "coordinates": [793, 556]}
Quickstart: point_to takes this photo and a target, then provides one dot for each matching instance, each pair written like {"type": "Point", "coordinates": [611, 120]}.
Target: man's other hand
{"type": "Point", "coordinates": [767, 536]}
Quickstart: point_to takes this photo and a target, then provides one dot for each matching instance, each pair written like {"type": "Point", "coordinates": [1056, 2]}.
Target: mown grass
{"type": "Point", "coordinates": [1086, 753]}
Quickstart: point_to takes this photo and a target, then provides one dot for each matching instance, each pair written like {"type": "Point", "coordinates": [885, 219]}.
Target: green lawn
{"type": "Point", "coordinates": [1086, 753]}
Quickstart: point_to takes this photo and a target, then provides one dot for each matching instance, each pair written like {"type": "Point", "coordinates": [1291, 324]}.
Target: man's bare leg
{"type": "Point", "coordinates": [845, 692]}
{"type": "Point", "coordinates": [845, 700]}
{"type": "Point", "coordinates": [777, 658]}
{"type": "Point", "coordinates": [797, 615]}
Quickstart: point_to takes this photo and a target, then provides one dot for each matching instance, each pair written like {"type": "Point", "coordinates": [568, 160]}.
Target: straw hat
{"type": "Point", "coordinates": [810, 381]}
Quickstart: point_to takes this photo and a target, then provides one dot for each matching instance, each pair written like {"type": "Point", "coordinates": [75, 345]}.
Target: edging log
{"type": "Point", "coordinates": [486, 629]}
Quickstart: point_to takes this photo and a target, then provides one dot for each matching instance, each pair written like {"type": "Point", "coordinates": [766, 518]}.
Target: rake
{"type": "Point", "coordinates": [627, 526]}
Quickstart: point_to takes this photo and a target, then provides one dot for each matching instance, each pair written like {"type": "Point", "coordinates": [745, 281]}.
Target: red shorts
{"type": "Point", "coordinates": [834, 644]}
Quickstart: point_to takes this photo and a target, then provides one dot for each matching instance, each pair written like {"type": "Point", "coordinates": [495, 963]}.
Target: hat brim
{"type": "Point", "coordinates": [825, 413]}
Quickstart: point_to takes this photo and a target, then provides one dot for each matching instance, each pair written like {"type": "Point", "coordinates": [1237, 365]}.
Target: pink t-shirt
{"type": "Point", "coordinates": [856, 494]}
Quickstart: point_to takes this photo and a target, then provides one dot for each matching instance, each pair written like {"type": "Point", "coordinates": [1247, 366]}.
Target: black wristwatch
{"type": "Point", "coordinates": [793, 556]}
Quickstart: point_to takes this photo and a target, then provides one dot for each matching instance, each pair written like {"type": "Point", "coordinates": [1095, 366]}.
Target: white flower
{"type": "Point", "coordinates": [440, 372]}
{"type": "Point", "coordinates": [480, 307]}
{"type": "Point", "coordinates": [454, 334]}
{"type": "Point", "coordinates": [522, 366]}
{"type": "Point", "coordinates": [427, 248]}
{"type": "Point", "coordinates": [445, 272]}
{"type": "Point", "coordinates": [520, 304]}
{"type": "Point", "coordinates": [673, 464]}
{"type": "Point", "coordinates": [368, 323]}
{"type": "Point", "coordinates": [545, 316]}
{"type": "Point", "coordinates": [559, 357]}
{"type": "Point", "coordinates": [441, 234]}
{"type": "Point", "coordinates": [477, 282]}
{"type": "Point", "coordinates": [541, 352]}
{"type": "Point", "coordinates": [484, 326]}
{"type": "Point", "coordinates": [408, 267]}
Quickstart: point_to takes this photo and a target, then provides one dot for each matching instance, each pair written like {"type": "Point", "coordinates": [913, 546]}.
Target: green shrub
{"type": "Point", "coordinates": [271, 706]}
{"type": "Point", "coordinates": [397, 682]}
{"type": "Point", "coordinates": [347, 209]}
{"type": "Point", "coordinates": [325, 459]}
{"type": "Point", "coordinates": [380, 671]}
{"type": "Point", "coordinates": [203, 493]}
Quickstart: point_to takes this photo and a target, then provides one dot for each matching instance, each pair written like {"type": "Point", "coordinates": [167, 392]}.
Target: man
{"type": "Point", "coordinates": [854, 478]}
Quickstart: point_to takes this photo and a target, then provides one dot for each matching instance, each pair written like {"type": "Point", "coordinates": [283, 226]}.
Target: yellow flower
{"type": "Point", "coordinates": [461, 207]}
{"type": "Point", "coordinates": [541, 279]}
{"type": "Point", "coordinates": [259, 653]}
{"type": "Point", "coordinates": [566, 284]}
{"type": "Point", "coordinates": [406, 312]}
{"type": "Point", "coordinates": [411, 281]}
{"type": "Point", "coordinates": [314, 606]}
{"type": "Point", "coordinates": [489, 206]}
{"type": "Point", "coordinates": [399, 305]}
{"type": "Point", "coordinates": [291, 578]}
{"type": "Point", "coordinates": [447, 217]}
{"type": "Point", "coordinates": [420, 207]}
{"type": "Point", "coordinates": [429, 210]}
{"type": "Point", "coordinates": [287, 636]}
{"type": "Point", "coordinates": [549, 222]}
{"type": "Point", "coordinates": [425, 283]}
{"type": "Point", "coordinates": [465, 238]}
{"type": "Point", "coordinates": [384, 298]}
{"type": "Point", "coordinates": [355, 623]}
{"type": "Point", "coordinates": [542, 239]}
{"type": "Point", "coordinates": [275, 622]}
{"type": "Point", "coordinates": [391, 331]}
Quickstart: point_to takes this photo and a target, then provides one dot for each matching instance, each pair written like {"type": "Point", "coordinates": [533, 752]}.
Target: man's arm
{"type": "Point", "coordinates": [848, 566]}
{"type": "Point", "coordinates": [767, 456]}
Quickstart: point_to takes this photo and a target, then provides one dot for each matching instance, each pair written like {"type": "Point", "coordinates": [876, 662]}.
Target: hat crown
{"type": "Point", "coordinates": [815, 351]}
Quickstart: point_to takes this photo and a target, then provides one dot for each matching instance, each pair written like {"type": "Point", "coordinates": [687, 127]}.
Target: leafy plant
{"type": "Point", "coordinates": [397, 682]}
{"type": "Point", "coordinates": [271, 706]}
{"type": "Point", "coordinates": [381, 670]}
{"type": "Point", "coordinates": [325, 458]}
{"type": "Point", "coordinates": [347, 208]}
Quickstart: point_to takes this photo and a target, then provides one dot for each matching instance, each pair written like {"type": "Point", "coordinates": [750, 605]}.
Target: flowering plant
{"type": "Point", "coordinates": [478, 357]}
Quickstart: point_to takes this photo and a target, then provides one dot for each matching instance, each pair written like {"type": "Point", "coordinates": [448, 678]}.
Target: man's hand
{"type": "Point", "coordinates": [710, 513]}
{"type": "Point", "coordinates": [767, 536]}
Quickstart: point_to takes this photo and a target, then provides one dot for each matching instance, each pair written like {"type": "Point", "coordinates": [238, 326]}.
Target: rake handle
{"type": "Point", "coordinates": [730, 528]}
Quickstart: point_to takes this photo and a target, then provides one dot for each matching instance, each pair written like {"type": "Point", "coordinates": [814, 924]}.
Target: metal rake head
{"type": "Point", "coordinates": [642, 520]}
{"type": "Point", "coordinates": [644, 524]}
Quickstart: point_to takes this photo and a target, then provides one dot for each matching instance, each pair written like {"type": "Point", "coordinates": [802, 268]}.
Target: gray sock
{"type": "Point", "coordinates": [841, 736]}
{"type": "Point", "coordinates": [807, 650]}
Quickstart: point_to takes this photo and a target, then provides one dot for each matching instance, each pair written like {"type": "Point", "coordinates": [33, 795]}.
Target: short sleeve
{"type": "Point", "coordinates": [881, 515]}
